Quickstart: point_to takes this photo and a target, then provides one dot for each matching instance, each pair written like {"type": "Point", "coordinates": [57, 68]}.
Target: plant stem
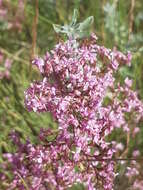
{"type": "Point", "coordinates": [131, 18]}
{"type": "Point", "coordinates": [34, 35]}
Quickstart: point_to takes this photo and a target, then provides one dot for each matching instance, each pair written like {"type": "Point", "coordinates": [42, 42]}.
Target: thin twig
{"type": "Point", "coordinates": [19, 52]}
{"type": "Point", "coordinates": [24, 183]}
{"type": "Point", "coordinates": [131, 18]}
{"type": "Point", "coordinates": [34, 35]}
{"type": "Point", "coordinates": [14, 57]}
{"type": "Point", "coordinates": [127, 145]}
{"type": "Point", "coordinates": [102, 26]}
{"type": "Point", "coordinates": [116, 159]}
{"type": "Point", "coordinates": [34, 30]}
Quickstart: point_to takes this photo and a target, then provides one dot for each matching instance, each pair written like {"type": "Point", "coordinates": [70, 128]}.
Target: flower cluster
{"type": "Point", "coordinates": [9, 22]}
{"type": "Point", "coordinates": [80, 90]}
{"type": "Point", "coordinates": [5, 68]}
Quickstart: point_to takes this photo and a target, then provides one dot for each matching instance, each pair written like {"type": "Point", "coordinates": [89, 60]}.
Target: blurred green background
{"type": "Point", "coordinates": [116, 23]}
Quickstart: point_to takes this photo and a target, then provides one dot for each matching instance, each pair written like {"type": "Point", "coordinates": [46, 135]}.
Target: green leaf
{"type": "Point", "coordinates": [74, 30]}
{"type": "Point", "coordinates": [74, 17]}
{"type": "Point", "coordinates": [2, 69]}
{"type": "Point", "coordinates": [57, 28]}
{"type": "Point", "coordinates": [86, 23]}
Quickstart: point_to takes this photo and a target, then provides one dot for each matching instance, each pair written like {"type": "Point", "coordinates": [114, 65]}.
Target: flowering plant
{"type": "Point", "coordinates": [7, 22]}
{"type": "Point", "coordinates": [5, 68]}
{"type": "Point", "coordinates": [80, 90]}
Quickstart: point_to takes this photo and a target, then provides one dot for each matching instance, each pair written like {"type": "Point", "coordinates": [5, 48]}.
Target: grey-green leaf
{"type": "Point", "coordinates": [74, 30]}
{"type": "Point", "coordinates": [57, 28]}
{"type": "Point", "coordinates": [86, 23]}
{"type": "Point", "coordinates": [74, 17]}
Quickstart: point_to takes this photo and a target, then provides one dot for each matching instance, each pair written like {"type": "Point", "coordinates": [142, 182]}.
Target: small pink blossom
{"type": "Point", "coordinates": [74, 90]}
{"type": "Point", "coordinates": [128, 82]}
{"type": "Point", "coordinates": [136, 153]}
{"type": "Point", "coordinates": [136, 130]}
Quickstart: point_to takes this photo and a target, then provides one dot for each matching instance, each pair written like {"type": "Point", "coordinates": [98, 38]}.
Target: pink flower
{"type": "Point", "coordinates": [136, 153]}
{"type": "Point", "coordinates": [76, 84]}
{"type": "Point", "coordinates": [136, 130]}
{"type": "Point", "coordinates": [120, 146]}
{"type": "Point", "coordinates": [128, 82]}
{"type": "Point", "coordinates": [39, 62]}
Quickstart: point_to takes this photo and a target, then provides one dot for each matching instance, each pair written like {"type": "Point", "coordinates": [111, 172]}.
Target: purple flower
{"type": "Point", "coordinates": [77, 81]}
